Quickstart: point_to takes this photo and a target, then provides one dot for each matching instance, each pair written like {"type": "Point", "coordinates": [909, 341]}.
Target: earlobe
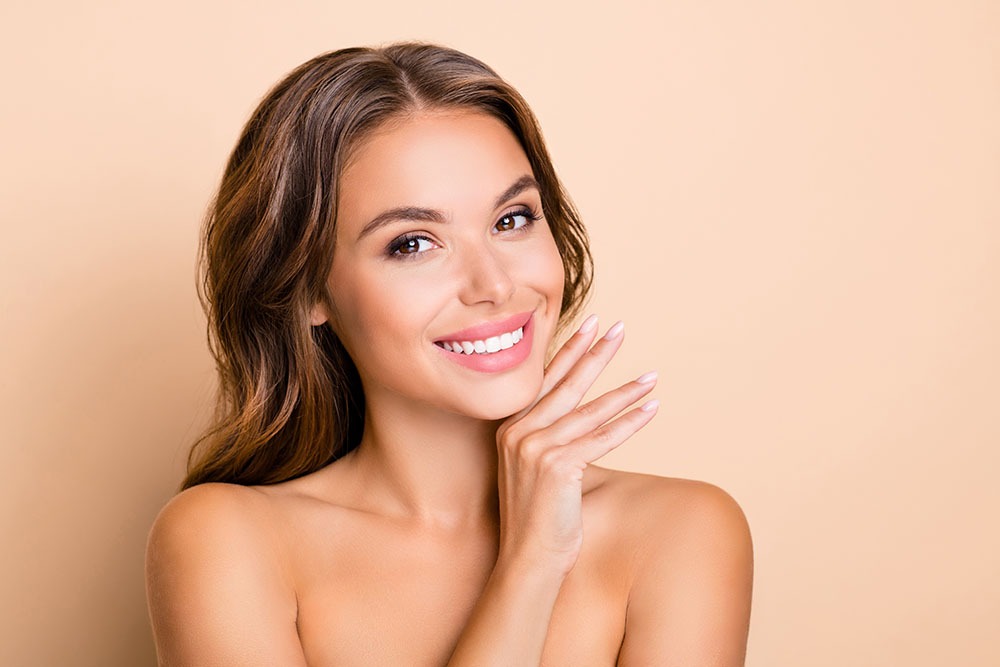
{"type": "Point", "coordinates": [318, 315]}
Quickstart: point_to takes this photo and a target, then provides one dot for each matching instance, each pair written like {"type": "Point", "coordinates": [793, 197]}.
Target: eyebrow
{"type": "Point", "coordinates": [418, 214]}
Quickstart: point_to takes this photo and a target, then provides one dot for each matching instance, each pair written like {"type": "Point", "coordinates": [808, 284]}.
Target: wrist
{"type": "Point", "coordinates": [539, 570]}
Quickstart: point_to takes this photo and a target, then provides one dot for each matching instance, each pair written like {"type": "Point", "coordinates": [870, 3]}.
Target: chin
{"type": "Point", "coordinates": [500, 412]}
{"type": "Point", "coordinates": [504, 402]}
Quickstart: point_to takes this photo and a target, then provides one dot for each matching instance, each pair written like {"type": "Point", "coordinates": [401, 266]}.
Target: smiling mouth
{"type": "Point", "coordinates": [504, 341]}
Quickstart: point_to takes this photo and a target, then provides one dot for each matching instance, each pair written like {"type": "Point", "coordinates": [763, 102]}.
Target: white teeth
{"type": "Point", "coordinates": [488, 346]}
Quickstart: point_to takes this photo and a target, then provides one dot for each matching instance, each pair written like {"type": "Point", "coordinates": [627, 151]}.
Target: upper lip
{"type": "Point", "coordinates": [488, 329]}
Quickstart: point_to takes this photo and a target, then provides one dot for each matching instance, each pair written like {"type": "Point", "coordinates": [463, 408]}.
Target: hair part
{"type": "Point", "coordinates": [290, 399]}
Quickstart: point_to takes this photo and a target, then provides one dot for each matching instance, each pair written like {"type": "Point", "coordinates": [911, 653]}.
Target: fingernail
{"type": "Point", "coordinates": [588, 324]}
{"type": "Point", "coordinates": [646, 378]}
{"type": "Point", "coordinates": [615, 331]}
{"type": "Point", "coordinates": [649, 406]}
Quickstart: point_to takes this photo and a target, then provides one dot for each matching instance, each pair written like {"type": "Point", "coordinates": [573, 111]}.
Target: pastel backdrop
{"type": "Point", "coordinates": [795, 207]}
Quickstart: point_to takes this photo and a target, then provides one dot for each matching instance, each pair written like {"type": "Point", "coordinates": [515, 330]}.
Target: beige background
{"type": "Point", "coordinates": [795, 207]}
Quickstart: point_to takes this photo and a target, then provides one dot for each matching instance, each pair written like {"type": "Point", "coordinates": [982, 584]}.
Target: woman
{"type": "Point", "coordinates": [399, 474]}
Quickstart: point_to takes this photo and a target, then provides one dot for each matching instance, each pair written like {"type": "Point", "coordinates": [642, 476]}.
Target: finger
{"type": "Point", "coordinates": [585, 418]}
{"type": "Point", "coordinates": [568, 354]}
{"type": "Point", "coordinates": [568, 392]}
{"type": "Point", "coordinates": [603, 439]}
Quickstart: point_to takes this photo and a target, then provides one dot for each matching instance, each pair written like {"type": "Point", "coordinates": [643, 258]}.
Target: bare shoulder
{"type": "Point", "coordinates": [211, 517]}
{"type": "Point", "coordinates": [207, 504]}
{"type": "Point", "coordinates": [689, 601]}
{"type": "Point", "coordinates": [667, 509]}
{"type": "Point", "coordinates": [214, 570]}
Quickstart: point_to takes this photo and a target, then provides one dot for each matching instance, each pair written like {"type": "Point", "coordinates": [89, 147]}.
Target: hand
{"type": "Point", "coordinates": [544, 449]}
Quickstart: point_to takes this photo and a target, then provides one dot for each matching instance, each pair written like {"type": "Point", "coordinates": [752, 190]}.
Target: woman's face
{"type": "Point", "coordinates": [437, 248]}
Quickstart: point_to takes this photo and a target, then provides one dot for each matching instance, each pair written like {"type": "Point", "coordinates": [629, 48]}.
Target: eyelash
{"type": "Point", "coordinates": [397, 244]}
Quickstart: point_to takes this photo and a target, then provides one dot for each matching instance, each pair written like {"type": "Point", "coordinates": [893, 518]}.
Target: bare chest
{"type": "Point", "coordinates": [376, 597]}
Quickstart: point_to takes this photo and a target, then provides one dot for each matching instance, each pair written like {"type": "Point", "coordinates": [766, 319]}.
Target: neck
{"type": "Point", "coordinates": [437, 467]}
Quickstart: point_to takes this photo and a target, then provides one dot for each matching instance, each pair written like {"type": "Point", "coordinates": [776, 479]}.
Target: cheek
{"type": "Point", "coordinates": [558, 273]}
{"type": "Point", "coordinates": [360, 310]}
{"type": "Point", "coordinates": [379, 314]}
{"type": "Point", "coordinates": [541, 270]}
{"type": "Point", "coordinates": [549, 272]}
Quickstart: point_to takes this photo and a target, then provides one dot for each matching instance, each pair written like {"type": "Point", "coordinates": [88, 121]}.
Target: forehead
{"type": "Point", "coordinates": [448, 160]}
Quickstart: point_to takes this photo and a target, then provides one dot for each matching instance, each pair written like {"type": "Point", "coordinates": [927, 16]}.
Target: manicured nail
{"type": "Point", "coordinates": [649, 406]}
{"type": "Point", "coordinates": [646, 378]}
{"type": "Point", "coordinates": [615, 331]}
{"type": "Point", "coordinates": [588, 324]}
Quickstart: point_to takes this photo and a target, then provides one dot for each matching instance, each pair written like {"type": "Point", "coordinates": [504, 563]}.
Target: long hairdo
{"type": "Point", "coordinates": [289, 397]}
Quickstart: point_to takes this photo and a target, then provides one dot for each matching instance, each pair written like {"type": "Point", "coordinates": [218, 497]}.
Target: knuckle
{"type": "Point", "coordinates": [529, 447]}
{"type": "Point", "coordinates": [574, 379]}
{"type": "Point", "coordinates": [561, 383]}
{"type": "Point", "coordinates": [510, 437]}
{"type": "Point", "coordinates": [603, 434]}
{"type": "Point", "coordinates": [550, 459]}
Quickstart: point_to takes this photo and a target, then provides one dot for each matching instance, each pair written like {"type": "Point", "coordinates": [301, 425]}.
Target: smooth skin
{"type": "Point", "coordinates": [470, 527]}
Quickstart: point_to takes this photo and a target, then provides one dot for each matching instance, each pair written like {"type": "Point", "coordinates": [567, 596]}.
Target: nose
{"type": "Point", "coordinates": [486, 278]}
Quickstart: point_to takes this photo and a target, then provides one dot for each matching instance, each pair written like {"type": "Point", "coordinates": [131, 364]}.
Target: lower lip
{"type": "Point", "coordinates": [497, 361]}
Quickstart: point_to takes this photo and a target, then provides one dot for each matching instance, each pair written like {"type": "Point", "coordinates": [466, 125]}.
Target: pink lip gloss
{"type": "Point", "coordinates": [501, 360]}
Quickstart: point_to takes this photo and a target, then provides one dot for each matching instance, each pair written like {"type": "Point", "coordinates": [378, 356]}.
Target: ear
{"type": "Point", "coordinates": [318, 315]}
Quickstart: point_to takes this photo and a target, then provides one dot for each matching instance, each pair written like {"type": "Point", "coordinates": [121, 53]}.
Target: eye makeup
{"type": "Point", "coordinates": [407, 246]}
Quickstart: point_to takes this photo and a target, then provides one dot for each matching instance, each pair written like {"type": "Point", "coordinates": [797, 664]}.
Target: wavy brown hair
{"type": "Point", "coordinates": [290, 399]}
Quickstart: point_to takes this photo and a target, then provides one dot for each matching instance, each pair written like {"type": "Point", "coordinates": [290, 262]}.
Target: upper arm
{"type": "Point", "coordinates": [215, 582]}
{"type": "Point", "coordinates": [690, 599]}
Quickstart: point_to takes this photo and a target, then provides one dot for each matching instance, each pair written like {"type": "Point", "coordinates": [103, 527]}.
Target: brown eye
{"type": "Point", "coordinates": [506, 223]}
{"type": "Point", "coordinates": [409, 245]}
{"type": "Point", "coordinates": [515, 220]}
